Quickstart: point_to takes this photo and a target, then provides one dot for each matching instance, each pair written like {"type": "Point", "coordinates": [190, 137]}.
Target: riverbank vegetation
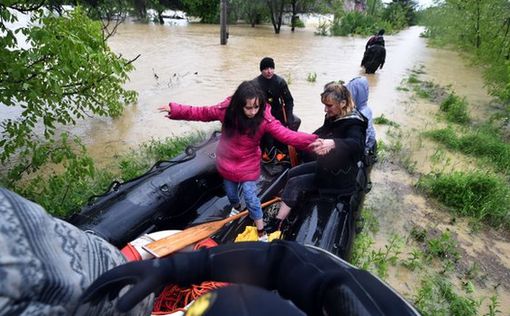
{"type": "Point", "coordinates": [444, 284]}
{"type": "Point", "coordinates": [55, 69]}
{"type": "Point", "coordinates": [376, 15]}
{"type": "Point", "coordinates": [349, 17]}
{"type": "Point", "coordinates": [62, 191]}
{"type": "Point", "coordinates": [483, 36]}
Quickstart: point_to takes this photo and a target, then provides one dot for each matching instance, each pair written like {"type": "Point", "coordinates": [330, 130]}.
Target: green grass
{"type": "Point", "coordinates": [437, 296]}
{"type": "Point", "coordinates": [482, 142]}
{"type": "Point", "coordinates": [289, 78]}
{"type": "Point", "coordinates": [312, 77]}
{"type": "Point", "coordinates": [413, 79]}
{"type": "Point", "coordinates": [418, 234]}
{"type": "Point", "coordinates": [424, 89]}
{"type": "Point", "coordinates": [493, 306]}
{"type": "Point", "coordinates": [479, 195]}
{"type": "Point", "coordinates": [376, 261]}
{"type": "Point", "coordinates": [443, 246]}
{"type": "Point", "coordinates": [138, 161]}
{"type": "Point", "coordinates": [383, 120]}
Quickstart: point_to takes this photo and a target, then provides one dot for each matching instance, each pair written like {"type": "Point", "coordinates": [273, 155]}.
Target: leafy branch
{"type": "Point", "coordinates": [62, 72]}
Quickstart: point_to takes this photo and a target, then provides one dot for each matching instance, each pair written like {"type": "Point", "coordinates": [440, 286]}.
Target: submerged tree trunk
{"type": "Point", "coordinates": [141, 8]}
{"type": "Point", "coordinates": [160, 17]}
{"type": "Point", "coordinates": [276, 12]}
{"type": "Point", "coordinates": [223, 22]}
{"type": "Point", "coordinates": [294, 15]}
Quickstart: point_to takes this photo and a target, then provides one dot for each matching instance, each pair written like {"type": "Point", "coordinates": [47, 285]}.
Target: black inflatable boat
{"type": "Point", "coordinates": [187, 190]}
{"type": "Point", "coordinates": [166, 197]}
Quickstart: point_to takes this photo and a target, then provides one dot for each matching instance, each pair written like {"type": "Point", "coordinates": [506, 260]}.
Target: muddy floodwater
{"type": "Point", "coordinates": [185, 63]}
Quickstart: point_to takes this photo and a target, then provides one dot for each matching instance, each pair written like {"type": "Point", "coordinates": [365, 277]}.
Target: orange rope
{"type": "Point", "coordinates": [175, 298]}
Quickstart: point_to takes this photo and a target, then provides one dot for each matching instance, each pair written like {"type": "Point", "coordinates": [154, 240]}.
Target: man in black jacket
{"type": "Point", "coordinates": [276, 91]}
{"type": "Point", "coordinates": [279, 97]}
{"type": "Point", "coordinates": [375, 53]}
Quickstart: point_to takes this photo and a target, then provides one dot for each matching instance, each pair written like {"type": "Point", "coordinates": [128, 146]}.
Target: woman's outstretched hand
{"type": "Point", "coordinates": [322, 146]}
{"type": "Point", "coordinates": [166, 108]}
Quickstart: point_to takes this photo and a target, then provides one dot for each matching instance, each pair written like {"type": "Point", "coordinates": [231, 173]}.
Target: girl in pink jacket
{"type": "Point", "coordinates": [245, 118]}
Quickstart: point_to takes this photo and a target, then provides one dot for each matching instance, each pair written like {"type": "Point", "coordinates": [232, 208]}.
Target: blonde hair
{"type": "Point", "coordinates": [335, 93]}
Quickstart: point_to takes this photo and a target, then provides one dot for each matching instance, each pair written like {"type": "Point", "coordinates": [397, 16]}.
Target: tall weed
{"type": "Point", "coordinates": [455, 109]}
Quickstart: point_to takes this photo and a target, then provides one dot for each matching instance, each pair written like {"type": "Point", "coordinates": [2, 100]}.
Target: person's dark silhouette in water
{"type": "Point", "coordinates": [375, 53]}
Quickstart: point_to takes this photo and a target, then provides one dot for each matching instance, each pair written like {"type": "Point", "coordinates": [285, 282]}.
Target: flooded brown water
{"type": "Point", "coordinates": [188, 65]}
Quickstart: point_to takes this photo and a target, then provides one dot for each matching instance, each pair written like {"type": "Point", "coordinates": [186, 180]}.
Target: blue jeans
{"type": "Point", "coordinates": [249, 194]}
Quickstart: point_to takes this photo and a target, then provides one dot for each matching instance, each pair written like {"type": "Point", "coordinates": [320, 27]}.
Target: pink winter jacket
{"type": "Point", "coordinates": [238, 157]}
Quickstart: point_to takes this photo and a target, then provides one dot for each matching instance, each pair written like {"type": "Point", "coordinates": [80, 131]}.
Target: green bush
{"type": "Point", "coordinates": [312, 77]}
{"type": "Point", "coordinates": [383, 120]}
{"type": "Point", "coordinates": [455, 109]}
{"type": "Point", "coordinates": [353, 23]}
{"type": "Point", "coordinates": [437, 296]}
{"type": "Point", "coordinates": [299, 23]}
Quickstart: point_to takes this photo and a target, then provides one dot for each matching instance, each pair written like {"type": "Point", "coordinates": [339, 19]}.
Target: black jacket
{"type": "Point", "coordinates": [276, 91]}
{"type": "Point", "coordinates": [337, 170]}
{"type": "Point", "coordinates": [375, 40]}
{"type": "Point", "coordinates": [373, 58]}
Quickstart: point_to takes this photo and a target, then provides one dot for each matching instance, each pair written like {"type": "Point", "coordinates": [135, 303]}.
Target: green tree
{"type": "Point", "coordinates": [109, 12]}
{"type": "Point", "coordinates": [54, 70]}
{"type": "Point", "coordinates": [401, 13]}
{"type": "Point", "coordinates": [481, 28]}
{"type": "Point", "coordinates": [374, 7]}
{"type": "Point", "coordinates": [396, 14]}
{"type": "Point", "coordinates": [207, 10]}
{"type": "Point", "coordinates": [276, 13]}
{"type": "Point", "coordinates": [253, 12]}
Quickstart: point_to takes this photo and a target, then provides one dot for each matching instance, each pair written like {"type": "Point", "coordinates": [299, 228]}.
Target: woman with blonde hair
{"type": "Point", "coordinates": [340, 146]}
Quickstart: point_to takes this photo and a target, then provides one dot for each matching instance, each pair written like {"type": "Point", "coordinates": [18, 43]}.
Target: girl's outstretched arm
{"type": "Point", "coordinates": [177, 111]}
{"type": "Point", "coordinates": [298, 139]}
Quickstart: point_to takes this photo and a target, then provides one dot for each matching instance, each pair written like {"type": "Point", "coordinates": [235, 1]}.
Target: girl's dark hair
{"type": "Point", "coordinates": [235, 119]}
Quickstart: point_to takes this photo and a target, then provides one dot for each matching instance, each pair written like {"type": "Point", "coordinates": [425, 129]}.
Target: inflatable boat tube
{"type": "Point", "coordinates": [166, 197]}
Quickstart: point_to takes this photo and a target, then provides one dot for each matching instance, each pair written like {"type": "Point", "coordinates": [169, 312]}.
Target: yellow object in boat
{"type": "Point", "coordinates": [250, 234]}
